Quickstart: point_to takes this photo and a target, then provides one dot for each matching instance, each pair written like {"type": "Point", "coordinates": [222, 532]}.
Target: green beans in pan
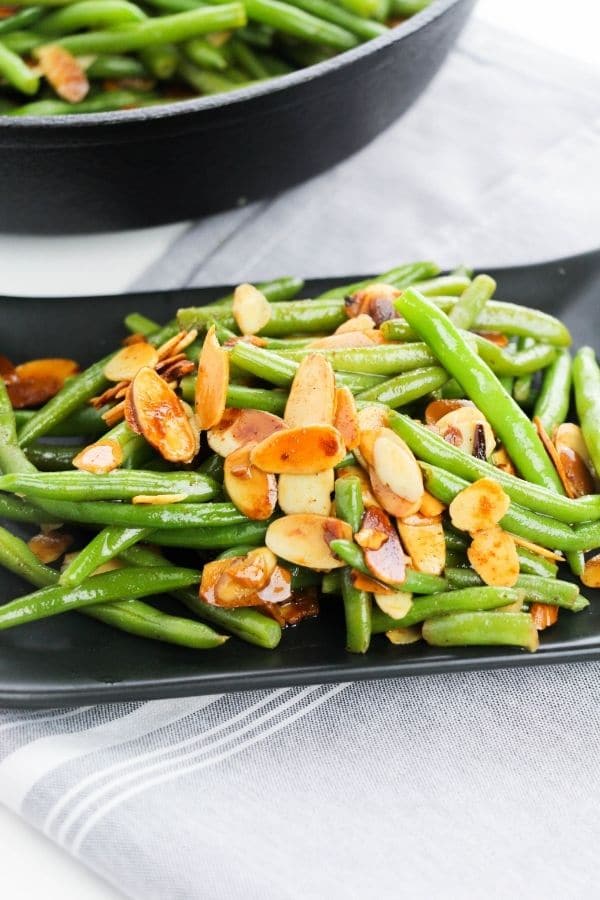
{"type": "Point", "coordinates": [552, 404]}
{"type": "Point", "coordinates": [117, 485]}
{"type": "Point", "coordinates": [536, 590]}
{"type": "Point", "coordinates": [445, 602]}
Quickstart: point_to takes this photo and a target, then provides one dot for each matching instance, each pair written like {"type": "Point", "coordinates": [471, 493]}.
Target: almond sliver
{"type": "Point", "coordinates": [459, 427]}
{"type": "Point", "coordinates": [397, 468]}
{"type": "Point", "coordinates": [50, 547]}
{"type": "Point", "coordinates": [389, 501]}
{"type": "Point", "coordinates": [212, 382]}
{"type": "Point", "coordinates": [401, 636]}
{"type": "Point", "coordinates": [300, 451]}
{"type": "Point", "coordinates": [481, 505]}
{"type": "Point", "coordinates": [64, 72]}
{"type": "Point", "coordinates": [363, 583]}
{"type": "Point", "coordinates": [395, 605]}
{"type": "Point", "coordinates": [238, 427]}
{"type": "Point", "coordinates": [555, 556]}
{"type": "Point", "coordinates": [374, 416]}
{"type": "Point", "coordinates": [157, 499]}
{"type": "Point", "coordinates": [312, 394]}
{"type": "Point", "coordinates": [251, 309]}
{"type": "Point", "coordinates": [125, 364]}
{"type": "Point", "coordinates": [158, 414]}
{"type": "Point", "coordinates": [431, 506]}
{"type": "Point", "coordinates": [363, 322]}
{"type": "Point", "coordinates": [304, 540]}
{"type": "Point", "coordinates": [100, 457]}
{"type": "Point", "coordinates": [493, 555]}
{"type": "Point", "coordinates": [341, 341]}
{"type": "Point", "coordinates": [251, 490]}
{"type": "Point", "coordinates": [574, 464]}
{"type": "Point", "coordinates": [438, 408]}
{"type": "Point", "coordinates": [387, 563]}
{"type": "Point", "coordinates": [591, 572]}
{"type": "Point", "coordinates": [306, 493]}
{"type": "Point", "coordinates": [426, 546]}
{"type": "Point", "coordinates": [543, 615]}
{"type": "Point", "coordinates": [345, 417]}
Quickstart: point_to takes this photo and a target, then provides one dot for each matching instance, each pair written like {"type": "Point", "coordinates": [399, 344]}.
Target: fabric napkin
{"type": "Point", "coordinates": [455, 786]}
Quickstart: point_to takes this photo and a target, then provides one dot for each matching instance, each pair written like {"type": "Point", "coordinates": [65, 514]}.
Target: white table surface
{"type": "Point", "coordinates": [32, 865]}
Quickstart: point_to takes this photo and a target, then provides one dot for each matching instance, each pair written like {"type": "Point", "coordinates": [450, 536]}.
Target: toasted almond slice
{"type": "Point", "coordinates": [370, 538]}
{"type": "Point", "coordinates": [493, 555]}
{"type": "Point", "coordinates": [212, 382]}
{"type": "Point", "coordinates": [251, 490]}
{"type": "Point", "coordinates": [34, 382]}
{"type": "Point", "coordinates": [438, 408]}
{"type": "Point", "coordinates": [479, 506]}
{"type": "Point", "coordinates": [575, 465]}
{"type": "Point", "coordinates": [554, 555]}
{"type": "Point", "coordinates": [99, 458]}
{"type": "Point", "coordinates": [396, 467]}
{"type": "Point", "coordinates": [362, 322]}
{"type": "Point", "coordinates": [279, 587]}
{"type": "Point", "coordinates": [306, 493]}
{"type": "Point", "coordinates": [345, 340]}
{"type": "Point", "coordinates": [404, 635]}
{"type": "Point", "coordinates": [304, 539]}
{"type": "Point", "coordinates": [376, 337]}
{"type": "Point", "coordinates": [211, 573]}
{"type": "Point", "coordinates": [240, 583]}
{"type": "Point", "coordinates": [570, 435]}
{"type": "Point", "coordinates": [50, 547]}
{"type": "Point", "coordinates": [114, 414]}
{"type": "Point", "coordinates": [376, 300]}
{"type": "Point", "coordinates": [242, 426]}
{"type": "Point", "coordinates": [575, 480]}
{"type": "Point", "coordinates": [459, 428]}
{"type": "Point", "coordinates": [425, 543]}
{"type": "Point", "coordinates": [301, 605]}
{"type": "Point", "coordinates": [388, 500]}
{"type": "Point", "coordinates": [431, 506]}
{"type": "Point", "coordinates": [110, 394]}
{"type": "Point", "coordinates": [591, 572]}
{"type": "Point", "coordinates": [125, 364]}
{"type": "Point", "coordinates": [158, 499]}
{"type": "Point", "coordinates": [64, 72]}
{"type": "Point", "coordinates": [251, 309]}
{"type": "Point", "coordinates": [502, 461]}
{"type": "Point", "coordinates": [53, 367]}
{"type": "Point", "coordinates": [374, 416]}
{"type": "Point", "coordinates": [345, 417]}
{"type": "Point", "coordinates": [368, 498]}
{"type": "Point", "coordinates": [177, 344]}
{"type": "Point", "coordinates": [299, 451]}
{"type": "Point", "coordinates": [395, 605]}
{"type": "Point", "coordinates": [543, 615]}
{"type": "Point", "coordinates": [312, 394]}
{"type": "Point", "coordinates": [363, 583]}
{"type": "Point", "coordinates": [386, 564]}
{"type": "Point", "coordinates": [494, 337]}
{"type": "Point", "coordinates": [158, 414]}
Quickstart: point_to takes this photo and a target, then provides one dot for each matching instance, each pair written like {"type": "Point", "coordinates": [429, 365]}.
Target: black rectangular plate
{"type": "Point", "coordinates": [71, 659]}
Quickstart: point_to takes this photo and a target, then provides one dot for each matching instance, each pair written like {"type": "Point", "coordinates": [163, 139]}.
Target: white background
{"type": "Point", "coordinates": [31, 865]}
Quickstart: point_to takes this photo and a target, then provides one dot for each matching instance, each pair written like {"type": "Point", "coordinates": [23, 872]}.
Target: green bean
{"type": "Point", "coordinates": [348, 501]}
{"type": "Point", "coordinates": [400, 277]}
{"type": "Point", "coordinates": [12, 458]}
{"type": "Point", "coordinates": [358, 25]}
{"type": "Point", "coordinates": [246, 623]}
{"type": "Point", "coordinates": [472, 301]}
{"type": "Point", "coordinates": [204, 54]}
{"type": "Point", "coordinates": [116, 485]}
{"type": "Point", "coordinates": [137, 323]}
{"type": "Point", "coordinates": [213, 467]}
{"type": "Point", "coordinates": [444, 603]}
{"type": "Point", "coordinates": [52, 457]}
{"type": "Point", "coordinates": [523, 362]}
{"type": "Point", "coordinates": [523, 389]}
{"type": "Point", "coordinates": [170, 515]}
{"type": "Point", "coordinates": [308, 316]}
{"type": "Point", "coordinates": [133, 446]}
{"type": "Point", "coordinates": [247, 59]}
{"type": "Point", "coordinates": [160, 30]}
{"type": "Point", "coordinates": [586, 384]}
{"type": "Point", "coordinates": [533, 564]}
{"type": "Point", "coordinates": [110, 586]}
{"type": "Point", "coordinates": [331, 583]}
{"type": "Point", "coordinates": [481, 628]}
{"type": "Point", "coordinates": [443, 285]}
{"type": "Point", "coordinates": [238, 550]}
{"type": "Point", "coordinates": [22, 42]}
{"type": "Point", "coordinates": [18, 510]}
{"type": "Point", "coordinates": [85, 422]}
{"type": "Point", "coordinates": [408, 7]}
{"type": "Point", "coordinates": [357, 603]}
{"type": "Point", "coordinates": [433, 449]}
{"type": "Point", "coordinates": [16, 556]}
{"type": "Point", "coordinates": [204, 81]}
{"type": "Point", "coordinates": [381, 359]}
{"type": "Point", "coordinates": [274, 64]}
{"type": "Point", "coordinates": [101, 103]}
{"type": "Point", "coordinates": [300, 24]}
{"type": "Point", "coordinates": [518, 434]}
{"type": "Point", "coordinates": [106, 545]}
{"type": "Point", "coordinates": [116, 67]}
{"type": "Point", "coordinates": [16, 72]}
{"type": "Point", "coordinates": [90, 14]}
{"type": "Point", "coordinates": [414, 582]}
{"type": "Point", "coordinates": [537, 590]}
{"type": "Point", "coordinates": [214, 538]}
{"type": "Point", "coordinates": [552, 405]}
{"type": "Point", "coordinates": [241, 397]}
{"type": "Point", "coordinates": [405, 388]}
{"type": "Point", "coordinates": [23, 19]}
{"type": "Point", "coordinates": [161, 60]}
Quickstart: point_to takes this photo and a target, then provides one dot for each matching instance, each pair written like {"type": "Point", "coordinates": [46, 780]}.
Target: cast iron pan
{"type": "Point", "coordinates": [71, 659]}
{"type": "Point", "coordinates": [179, 161]}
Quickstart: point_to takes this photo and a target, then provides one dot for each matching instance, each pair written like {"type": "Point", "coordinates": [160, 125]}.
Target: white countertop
{"type": "Point", "coordinates": [32, 865]}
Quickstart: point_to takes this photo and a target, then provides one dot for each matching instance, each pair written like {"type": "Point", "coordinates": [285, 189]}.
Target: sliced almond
{"type": "Point", "coordinates": [395, 605]}
{"type": "Point", "coordinates": [401, 636]}
{"type": "Point", "coordinates": [459, 427]}
{"type": "Point", "coordinates": [543, 615]}
{"type": "Point", "coordinates": [574, 464]}
{"type": "Point", "coordinates": [345, 340]}
{"type": "Point", "coordinates": [388, 500]}
{"type": "Point", "coordinates": [279, 587]}
{"type": "Point", "coordinates": [304, 539]}
{"type": "Point", "coordinates": [479, 506]}
{"type": "Point", "coordinates": [362, 582]}
{"type": "Point", "coordinates": [115, 414]}
{"type": "Point", "coordinates": [57, 368]}
{"type": "Point", "coordinates": [370, 538]}
{"type": "Point", "coordinates": [125, 364]}
{"type": "Point", "coordinates": [362, 322]}
{"type": "Point", "coordinates": [115, 392]}
{"type": "Point", "coordinates": [438, 408]}
{"type": "Point", "coordinates": [554, 555]}
{"type": "Point", "coordinates": [425, 543]}
{"type": "Point", "coordinates": [345, 417]}
{"type": "Point", "coordinates": [37, 381]}
{"type": "Point", "coordinates": [306, 493]}
{"type": "Point", "coordinates": [374, 416]}
{"type": "Point", "coordinates": [240, 583]}
{"type": "Point", "coordinates": [493, 555]}
{"type": "Point", "coordinates": [251, 309]}
{"type": "Point", "coordinates": [50, 547]}
{"type": "Point", "coordinates": [431, 506]}
{"type": "Point", "coordinates": [376, 300]}
{"type": "Point", "coordinates": [211, 573]}
{"type": "Point", "coordinates": [568, 484]}
{"type": "Point", "coordinates": [64, 72]}
{"type": "Point", "coordinates": [100, 457]}
{"type": "Point", "coordinates": [368, 498]}
{"type": "Point", "coordinates": [300, 451]}
{"type": "Point", "coordinates": [158, 499]}
{"type": "Point", "coordinates": [251, 490]}
{"type": "Point", "coordinates": [154, 410]}
{"type": "Point", "coordinates": [238, 427]}
{"type": "Point", "coordinates": [502, 461]}
{"type": "Point", "coordinates": [396, 467]}
{"type": "Point", "coordinates": [591, 572]}
{"type": "Point", "coordinates": [301, 605]}
{"type": "Point", "coordinates": [386, 564]}
{"type": "Point", "coordinates": [494, 337]}
{"type": "Point", "coordinates": [312, 393]}
{"type": "Point", "coordinates": [212, 382]}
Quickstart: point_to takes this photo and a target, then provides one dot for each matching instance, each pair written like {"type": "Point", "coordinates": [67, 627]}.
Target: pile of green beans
{"type": "Point", "coordinates": [448, 337]}
{"type": "Point", "coordinates": [136, 54]}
